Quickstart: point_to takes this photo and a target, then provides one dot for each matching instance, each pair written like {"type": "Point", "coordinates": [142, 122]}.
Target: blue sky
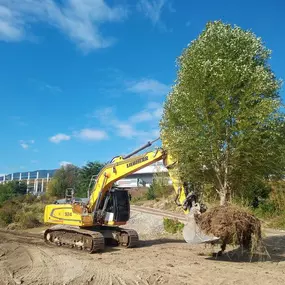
{"type": "Point", "coordinates": [85, 80]}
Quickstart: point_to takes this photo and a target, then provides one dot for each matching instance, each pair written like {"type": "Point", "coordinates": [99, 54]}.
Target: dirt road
{"type": "Point", "coordinates": [26, 259]}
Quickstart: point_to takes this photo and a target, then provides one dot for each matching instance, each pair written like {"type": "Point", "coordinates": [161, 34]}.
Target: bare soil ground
{"type": "Point", "coordinates": [160, 259]}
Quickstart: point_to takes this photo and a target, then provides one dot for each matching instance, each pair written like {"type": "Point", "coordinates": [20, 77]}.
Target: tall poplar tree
{"type": "Point", "coordinates": [222, 119]}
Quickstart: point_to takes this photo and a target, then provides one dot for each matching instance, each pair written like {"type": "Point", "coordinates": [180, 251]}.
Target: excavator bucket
{"type": "Point", "coordinates": [192, 232]}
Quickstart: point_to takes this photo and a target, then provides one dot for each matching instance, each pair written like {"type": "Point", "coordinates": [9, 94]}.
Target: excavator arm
{"type": "Point", "coordinates": [121, 167]}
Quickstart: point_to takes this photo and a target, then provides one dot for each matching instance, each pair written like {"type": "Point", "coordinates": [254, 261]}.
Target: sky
{"type": "Point", "coordinates": [85, 80]}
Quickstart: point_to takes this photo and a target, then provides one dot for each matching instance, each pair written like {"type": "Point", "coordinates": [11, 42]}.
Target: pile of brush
{"type": "Point", "coordinates": [233, 226]}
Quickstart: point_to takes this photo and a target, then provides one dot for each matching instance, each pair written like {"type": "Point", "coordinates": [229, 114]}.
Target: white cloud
{"type": "Point", "coordinates": [59, 137]}
{"type": "Point", "coordinates": [150, 86]}
{"type": "Point", "coordinates": [142, 125]}
{"type": "Point", "coordinates": [53, 89]}
{"type": "Point", "coordinates": [64, 163]}
{"type": "Point", "coordinates": [126, 130]}
{"type": "Point", "coordinates": [91, 134]}
{"type": "Point", "coordinates": [79, 20]}
{"type": "Point", "coordinates": [43, 86]}
{"type": "Point", "coordinates": [84, 134]}
{"type": "Point", "coordinates": [151, 113]}
{"type": "Point", "coordinates": [151, 9]}
{"type": "Point", "coordinates": [158, 113]}
{"type": "Point", "coordinates": [104, 113]}
{"type": "Point", "coordinates": [18, 120]}
{"type": "Point", "coordinates": [26, 144]}
{"type": "Point", "coordinates": [147, 115]}
{"type": "Point", "coordinates": [153, 105]}
{"type": "Point", "coordinates": [10, 26]}
{"type": "Point", "coordinates": [142, 116]}
{"type": "Point", "coordinates": [156, 133]}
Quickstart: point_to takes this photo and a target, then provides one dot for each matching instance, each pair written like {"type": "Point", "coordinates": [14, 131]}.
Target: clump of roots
{"type": "Point", "coordinates": [233, 226]}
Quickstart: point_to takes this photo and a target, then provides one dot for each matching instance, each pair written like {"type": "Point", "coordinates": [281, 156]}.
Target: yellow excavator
{"type": "Point", "coordinates": [97, 223]}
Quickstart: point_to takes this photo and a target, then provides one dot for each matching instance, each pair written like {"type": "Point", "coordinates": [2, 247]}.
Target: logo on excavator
{"type": "Point", "coordinates": [137, 161]}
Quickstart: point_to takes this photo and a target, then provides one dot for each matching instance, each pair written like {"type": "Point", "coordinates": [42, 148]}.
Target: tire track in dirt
{"type": "Point", "coordinates": [28, 259]}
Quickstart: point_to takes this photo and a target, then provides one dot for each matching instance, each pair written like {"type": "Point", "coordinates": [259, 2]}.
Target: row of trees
{"type": "Point", "coordinates": [71, 176]}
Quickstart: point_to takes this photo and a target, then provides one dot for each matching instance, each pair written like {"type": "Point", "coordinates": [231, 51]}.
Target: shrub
{"type": "Point", "coordinates": [7, 213]}
{"type": "Point", "coordinates": [265, 209]}
{"type": "Point", "coordinates": [29, 198]}
{"type": "Point", "coordinates": [277, 195]}
{"type": "Point", "coordinates": [25, 211]}
{"type": "Point", "coordinates": [150, 194]}
{"type": "Point", "coordinates": [172, 225]}
{"type": "Point", "coordinates": [274, 205]}
{"type": "Point", "coordinates": [278, 221]}
{"type": "Point", "coordinates": [28, 220]}
{"type": "Point", "coordinates": [46, 198]}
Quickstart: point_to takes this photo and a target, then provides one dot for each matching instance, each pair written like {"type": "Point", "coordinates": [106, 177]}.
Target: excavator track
{"type": "Point", "coordinates": [89, 240]}
{"type": "Point", "coordinates": [76, 238]}
{"type": "Point", "coordinates": [128, 238]}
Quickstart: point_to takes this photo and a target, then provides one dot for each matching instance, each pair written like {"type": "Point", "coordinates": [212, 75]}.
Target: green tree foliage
{"type": "Point", "coordinates": [159, 187]}
{"type": "Point", "coordinates": [11, 189]}
{"type": "Point", "coordinates": [85, 175]}
{"type": "Point", "coordinates": [64, 178]}
{"type": "Point", "coordinates": [222, 119]}
{"type": "Point", "coordinates": [20, 187]}
{"type": "Point", "coordinates": [6, 192]}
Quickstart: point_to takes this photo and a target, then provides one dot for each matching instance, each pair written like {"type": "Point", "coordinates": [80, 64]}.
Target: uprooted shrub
{"type": "Point", "coordinates": [233, 226]}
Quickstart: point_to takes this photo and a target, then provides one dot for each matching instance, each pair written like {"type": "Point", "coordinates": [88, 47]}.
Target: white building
{"type": "Point", "coordinates": [142, 177]}
{"type": "Point", "coordinates": [36, 180]}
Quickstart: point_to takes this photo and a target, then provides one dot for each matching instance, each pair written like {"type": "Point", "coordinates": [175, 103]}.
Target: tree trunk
{"type": "Point", "coordinates": [224, 196]}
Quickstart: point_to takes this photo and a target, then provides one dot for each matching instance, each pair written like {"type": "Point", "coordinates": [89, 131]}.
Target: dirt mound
{"type": "Point", "coordinates": [233, 225]}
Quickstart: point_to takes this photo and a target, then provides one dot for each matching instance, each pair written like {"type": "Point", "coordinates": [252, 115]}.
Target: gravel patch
{"type": "Point", "coordinates": [147, 225]}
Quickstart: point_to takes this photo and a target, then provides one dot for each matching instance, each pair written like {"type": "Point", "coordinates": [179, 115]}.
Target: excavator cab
{"type": "Point", "coordinates": [115, 208]}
